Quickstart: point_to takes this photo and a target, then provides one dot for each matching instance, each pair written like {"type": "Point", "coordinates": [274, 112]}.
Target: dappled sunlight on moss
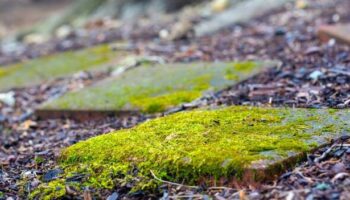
{"type": "Point", "coordinates": [163, 102]}
{"type": "Point", "coordinates": [47, 191]}
{"type": "Point", "coordinates": [245, 67]}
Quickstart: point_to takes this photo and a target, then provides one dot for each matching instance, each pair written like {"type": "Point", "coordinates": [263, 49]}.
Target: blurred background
{"type": "Point", "coordinates": [63, 25]}
{"type": "Point", "coordinates": [32, 28]}
{"type": "Point", "coordinates": [22, 15]}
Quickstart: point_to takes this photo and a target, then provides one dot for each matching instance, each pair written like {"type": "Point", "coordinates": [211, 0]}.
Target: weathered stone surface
{"type": "Point", "coordinates": [156, 88]}
{"type": "Point", "coordinates": [54, 66]}
{"type": "Point", "coordinates": [220, 147]}
{"type": "Point", "coordinates": [340, 32]}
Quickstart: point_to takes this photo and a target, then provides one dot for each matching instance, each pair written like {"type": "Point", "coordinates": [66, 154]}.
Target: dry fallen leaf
{"type": "Point", "coordinates": [27, 125]}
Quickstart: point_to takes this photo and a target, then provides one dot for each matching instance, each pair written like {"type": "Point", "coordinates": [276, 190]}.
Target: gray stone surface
{"type": "Point", "coordinates": [156, 88]}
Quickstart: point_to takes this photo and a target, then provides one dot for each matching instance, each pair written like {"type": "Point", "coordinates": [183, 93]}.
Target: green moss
{"type": "Point", "coordinates": [232, 73]}
{"type": "Point", "coordinates": [160, 103]}
{"type": "Point", "coordinates": [156, 88]}
{"type": "Point", "coordinates": [48, 191]}
{"type": "Point", "coordinates": [148, 103]}
{"type": "Point", "coordinates": [189, 146]}
{"type": "Point", "coordinates": [245, 67]}
{"type": "Point", "coordinates": [39, 159]}
{"type": "Point", "coordinates": [54, 66]}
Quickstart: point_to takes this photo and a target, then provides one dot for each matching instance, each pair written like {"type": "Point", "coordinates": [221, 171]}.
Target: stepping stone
{"type": "Point", "coordinates": [223, 147]}
{"type": "Point", "coordinates": [55, 66]}
{"type": "Point", "coordinates": [340, 32]}
{"type": "Point", "coordinates": [152, 88]}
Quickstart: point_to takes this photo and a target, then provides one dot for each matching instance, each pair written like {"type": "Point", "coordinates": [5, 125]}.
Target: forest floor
{"type": "Point", "coordinates": [313, 75]}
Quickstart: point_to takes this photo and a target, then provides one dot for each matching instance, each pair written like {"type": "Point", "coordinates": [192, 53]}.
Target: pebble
{"type": "Point", "coordinates": [322, 186]}
{"type": "Point", "coordinates": [280, 31]}
{"type": "Point", "coordinates": [29, 174]}
{"type": "Point", "coordinates": [113, 196]}
{"type": "Point", "coordinates": [315, 75]}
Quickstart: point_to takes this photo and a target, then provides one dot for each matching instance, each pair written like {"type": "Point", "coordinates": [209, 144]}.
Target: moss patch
{"type": "Point", "coordinates": [162, 102]}
{"type": "Point", "coordinates": [54, 66]}
{"type": "Point", "coordinates": [187, 146]}
{"type": "Point", "coordinates": [53, 190]}
{"type": "Point", "coordinates": [157, 88]}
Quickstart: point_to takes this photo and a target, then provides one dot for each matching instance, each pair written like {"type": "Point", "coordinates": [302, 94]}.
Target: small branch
{"type": "Point", "coordinates": [221, 188]}
{"type": "Point", "coordinates": [325, 154]}
{"type": "Point", "coordinates": [343, 145]}
{"type": "Point", "coordinates": [185, 196]}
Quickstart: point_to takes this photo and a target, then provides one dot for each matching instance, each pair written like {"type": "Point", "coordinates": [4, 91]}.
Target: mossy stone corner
{"type": "Point", "coordinates": [54, 66]}
{"type": "Point", "coordinates": [156, 88]}
{"type": "Point", "coordinates": [212, 147]}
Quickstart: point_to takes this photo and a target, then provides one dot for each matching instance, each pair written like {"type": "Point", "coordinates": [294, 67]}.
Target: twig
{"type": "Point", "coordinates": [220, 188]}
{"type": "Point", "coordinates": [186, 196]}
{"type": "Point", "coordinates": [339, 176]}
{"type": "Point", "coordinates": [325, 154]}
{"type": "Point", "coordinates": [309, 180]}
{"type": "Point", "coordinates": [172, 183]}
{"type": "Point", "coordinates": [343, 145]}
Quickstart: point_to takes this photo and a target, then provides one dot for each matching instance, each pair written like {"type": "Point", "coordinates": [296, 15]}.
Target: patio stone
{"type": "Point", "coordinates": [153, 89]}
{"type": "Point", "coordinates": [47, 68]}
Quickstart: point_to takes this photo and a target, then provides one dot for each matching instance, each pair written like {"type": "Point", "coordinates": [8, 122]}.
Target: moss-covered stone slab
{"type": "Point", "coordinates": [156, 88]}
{"type": "Point", "coordinates": [221, 147]}
{"type": "Point", "coordinates": [54, 66]}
